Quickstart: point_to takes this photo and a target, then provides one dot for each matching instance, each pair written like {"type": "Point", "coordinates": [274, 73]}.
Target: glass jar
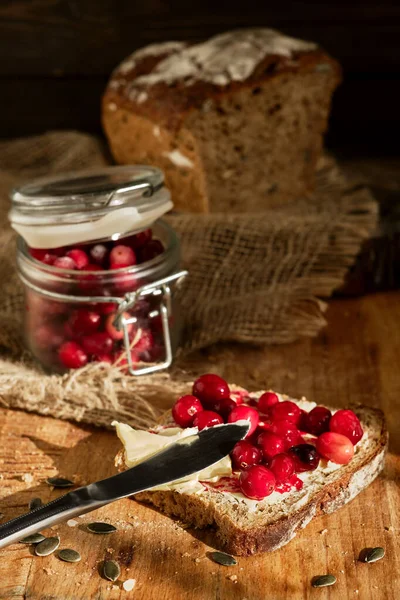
{"type": "Point", "coordinates": [94, 309]}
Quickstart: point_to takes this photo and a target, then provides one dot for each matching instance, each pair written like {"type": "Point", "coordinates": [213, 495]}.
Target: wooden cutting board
{"type": "Point", "coordinates": [356, 358]}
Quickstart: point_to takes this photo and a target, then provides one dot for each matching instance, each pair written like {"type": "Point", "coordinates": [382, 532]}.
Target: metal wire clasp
{"type": "Point", "coordinates": [157, 288]}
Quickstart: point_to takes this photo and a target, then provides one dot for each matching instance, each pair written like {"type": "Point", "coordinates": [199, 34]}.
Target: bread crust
{"type": "Point", "coordinates": [168, 105]}
{"type": "Point", "coordinates": [202, 512]}
{"type": "Point", "coordinates": [209, 134]}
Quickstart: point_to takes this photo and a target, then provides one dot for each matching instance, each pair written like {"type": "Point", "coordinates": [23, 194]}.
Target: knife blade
{"type": "Point", "coordinates": [178, 460]}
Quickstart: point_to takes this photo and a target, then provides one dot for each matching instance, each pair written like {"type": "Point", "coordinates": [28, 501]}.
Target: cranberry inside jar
{"type": "Point", "coordinates": [102, 299]}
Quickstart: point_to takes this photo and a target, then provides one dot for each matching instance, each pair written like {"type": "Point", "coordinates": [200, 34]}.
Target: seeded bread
{"type": "Point", "coordinates": [267, 526]}
{"type": "Point", "coordinates": [236, 123]}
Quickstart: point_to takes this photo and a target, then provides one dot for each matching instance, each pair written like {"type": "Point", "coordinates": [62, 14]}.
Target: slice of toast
{"type": "Point", "coordinates": [244, 527]}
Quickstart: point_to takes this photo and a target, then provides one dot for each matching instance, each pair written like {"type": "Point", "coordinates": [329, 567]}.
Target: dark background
{"type": "Point", "coordinates": [56, 56]}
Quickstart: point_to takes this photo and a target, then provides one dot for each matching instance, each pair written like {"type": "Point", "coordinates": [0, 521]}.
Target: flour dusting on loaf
{"type": "Point", "coordinates": [231, 56]}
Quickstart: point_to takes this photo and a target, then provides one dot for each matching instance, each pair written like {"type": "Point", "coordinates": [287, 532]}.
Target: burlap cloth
{"type": "Point", "coordinates": [255, 277]}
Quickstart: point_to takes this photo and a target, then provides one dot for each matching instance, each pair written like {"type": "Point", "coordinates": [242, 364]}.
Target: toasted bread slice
{"type": "Point", "coordinates": [244, 527]}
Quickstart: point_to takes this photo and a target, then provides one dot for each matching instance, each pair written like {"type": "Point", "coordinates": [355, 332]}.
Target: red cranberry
{"type": "Point", "coordinates": [150, 250]}
{"type": "Point", "coordinates": [97, 343]}
{"type": "Point", "coordinates": [113, 332]}
{"type": "Point", "coordinates": [282, 466]}
{"type": "Point", "coordinates": [47, 336]}
{"type": "Point", "coordinates": [185, 409]}
{"type": "Point", "coordinates": [245, 413]}
{"type": "Point", "coordinates": [239, 396]}
{"type": "Point", "coordinates": [98, 253]}
{"type": "Point", "coordinates": [335, 447]}
{"type": "Point", "coordinates": [106, 308]}
{"type": "Point", "coordinates": [79, 257]}
{"type": "Point", "coordinates": [72, 355]}
{"type": "Point", "coordinates": [285, 411]}
{"type": "Point", "coordinates": [45, 256]}
{"type": "Point", "coordinates": [207, 418]}
{"type": "Point", "coordinates": [305, 456]}
{"type": "Point", "coordinates": [245, 455]}
{"type": "Point", "coordinates": [122, 255]}
{"type": "Point", "coordinates": [209, 389]}
{"type": "Point", "coordinates": [38, 253]}
{"type": "Point", "coordinates": [257, 482]}
{"type": "Point", "coordinates": [224, 407]}
{"type": "Point", "coordinates": [83, 322]}
{"type": "Point", "coordinates": [139, 239]}
{"type": "Point", "coordinates": [117, 266]}
{"type": "Point", "coordinates": [90, 283]}
{"type": "Point", "coordinates": [143, 340]}
{"type": "Point", "coordinates": [156, 353]}
{"type": "Point", "coordinates": [92, 267]}
{"type": "Point", "coordinates": [270, 444]}
{"type": "Point", "coordinates": [267, 400]}
{"type": "Point", "coordinates": [347, 423]}
{"type": "Point", "coordinates": [289, 431]}
{"type": "Point", "coordinates": [261, 428]}
{"type": "Point", "coordinates": [106, 358]}
{"type": "Point", "coordinates": [124, 282]}
{"type": "Point", "coordinates": [316, 421]}
{"type": "Point", "coordinates": [65, 262]}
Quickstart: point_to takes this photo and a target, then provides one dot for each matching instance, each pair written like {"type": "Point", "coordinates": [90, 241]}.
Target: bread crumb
{"type": "Point", "coordinates": [185, 554]}
{"type": "Point", "coordinates": [197, 560]}
{"type": "Point", "coordinates": [112, 106]}
{"type": "Point", "coordinates": [323, 531]}
{"type": "Point", "coordinates": [110, 550]}
{"type": "Point", "coordinates": [232, 578]}
{"type": "Point", "coordinates": [72, 523]}
{"type": "Point", "coordinates": [389, 528]}
{"type": "Point", "coordinates": [341, 571]}
{"type": "Point", "coordinates": [27, 477]}
{"type": "Point", "coordinates": [129, 584]}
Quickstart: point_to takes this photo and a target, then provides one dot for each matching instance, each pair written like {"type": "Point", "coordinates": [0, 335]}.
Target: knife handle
{"type": "Point", "coordinates": [60, 509]}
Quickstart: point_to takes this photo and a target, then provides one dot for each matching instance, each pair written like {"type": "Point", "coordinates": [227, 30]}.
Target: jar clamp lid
{"type": "Point", "coordinates": [88, 205]}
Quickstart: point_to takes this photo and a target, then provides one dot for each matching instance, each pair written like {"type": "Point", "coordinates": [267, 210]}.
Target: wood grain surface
{"type": "Point", "coordinates": [355, 359]}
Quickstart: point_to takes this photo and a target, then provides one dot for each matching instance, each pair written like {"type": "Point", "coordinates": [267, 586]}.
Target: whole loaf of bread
{"type": "Point", "coordinates": [236, 123]}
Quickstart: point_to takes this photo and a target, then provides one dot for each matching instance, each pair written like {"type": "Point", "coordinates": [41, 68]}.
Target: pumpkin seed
{"type": "Point", "coordinates": [111, 570]}
{"type": "Point", "coordinates": [35, 503]}
{"type": "Point", "coordinates": [370, 555]}
{"type": "Point", "coordinates": [59, 482]}
{"type": "Point", "coordinates": [323, 68]}
{"type": "Point", "coordinates": [323, 581]}
{"type": "Point", "coordinates": [223, 559]}
{"type": "Point", "coordinates": [69, 555]}
{"type": "Point", "coordinates": [34, 538]}
{"type": "Point", "coordinates": [47, 546]}
{"type": "Point", "coordinates": [100, 528]}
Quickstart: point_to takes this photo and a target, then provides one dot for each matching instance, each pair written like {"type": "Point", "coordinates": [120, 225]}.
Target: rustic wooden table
{"type": "Point", "coordinates": [356, 358]}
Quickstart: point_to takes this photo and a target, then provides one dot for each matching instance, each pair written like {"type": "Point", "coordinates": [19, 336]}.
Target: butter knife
{"type": "Point", "coordinates": [180, 459]}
